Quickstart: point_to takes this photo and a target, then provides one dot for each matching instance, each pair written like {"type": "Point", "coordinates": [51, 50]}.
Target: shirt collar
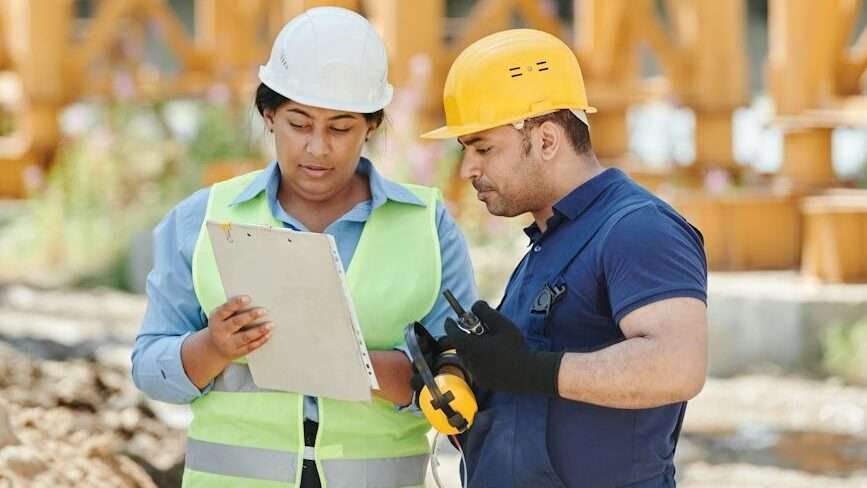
{"type": "Point", "coordinates": [577, 201]}
{"type": "Point", "coordinates": [381, 189]}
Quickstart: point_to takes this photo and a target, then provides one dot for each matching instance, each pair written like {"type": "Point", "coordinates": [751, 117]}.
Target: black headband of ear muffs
{"type": "Point", "coordinates": [440, 401]}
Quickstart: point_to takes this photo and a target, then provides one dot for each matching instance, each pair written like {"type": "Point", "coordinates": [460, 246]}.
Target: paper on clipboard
{"type": "Point", "coordinates": [316, 346]}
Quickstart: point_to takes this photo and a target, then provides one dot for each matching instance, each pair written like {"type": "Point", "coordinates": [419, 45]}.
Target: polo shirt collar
{"type": "Point", "coordinates": [577, 201]}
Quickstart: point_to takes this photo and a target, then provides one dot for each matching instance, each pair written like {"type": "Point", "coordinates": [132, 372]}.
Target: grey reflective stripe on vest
{"type": "Point", "coordinates": [379, 473]}
{"type": "Point", "coordinates": [236, 378]}
{"type": "Point", "coordinates": [241, 462]}
{"type": "Point", "coordinates": [248, 462]}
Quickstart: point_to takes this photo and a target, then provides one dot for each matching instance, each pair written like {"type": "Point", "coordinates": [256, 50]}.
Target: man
{"type": "Point", "coordinates": [586, 366]}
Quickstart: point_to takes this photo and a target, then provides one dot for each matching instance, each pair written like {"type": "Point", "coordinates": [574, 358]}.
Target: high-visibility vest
{"type": "Point", "coordinates": [243, 436]}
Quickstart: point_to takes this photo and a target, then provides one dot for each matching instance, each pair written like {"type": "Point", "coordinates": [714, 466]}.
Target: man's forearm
{"type": "Point", "coordinates": [640, 372]}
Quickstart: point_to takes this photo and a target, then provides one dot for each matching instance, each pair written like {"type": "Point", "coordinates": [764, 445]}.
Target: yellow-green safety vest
{"type": "Point", "coordinates": [243, 436]}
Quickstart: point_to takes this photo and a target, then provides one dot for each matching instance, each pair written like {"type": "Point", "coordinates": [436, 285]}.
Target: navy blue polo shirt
{"type": "Point", "coordinates": [610, 247]}
{"type": "Point", "coordinates": [648, 253]}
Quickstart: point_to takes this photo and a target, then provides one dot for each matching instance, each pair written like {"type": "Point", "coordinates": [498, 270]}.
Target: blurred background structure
{"type": "Point", "coordinates": [749, 116]}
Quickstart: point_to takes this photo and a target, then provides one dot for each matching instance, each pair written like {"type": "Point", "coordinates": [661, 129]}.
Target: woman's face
{"type": "Point", "coordinates": [318, 149]}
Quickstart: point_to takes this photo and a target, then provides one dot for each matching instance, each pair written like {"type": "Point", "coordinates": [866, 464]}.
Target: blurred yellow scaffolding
{"type": "Point", "coordinates": [49, 58]}
{"type": "Point", "coordinates": [56, 64]}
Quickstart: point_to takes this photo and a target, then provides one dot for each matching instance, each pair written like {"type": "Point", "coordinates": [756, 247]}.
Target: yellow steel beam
{"type": "Point", "coordinates": [486, 17]}
{"type": "Point", "coordinates": [180, 43]}
{"type": "Point", "coordinates": [101, 29]}
{"type": "Point", "coordinates": [602, 37]}
{"type": "Point", "coordinates": [537, 16]}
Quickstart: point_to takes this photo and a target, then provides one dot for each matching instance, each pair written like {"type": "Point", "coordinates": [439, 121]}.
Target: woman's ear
{"type": "Point", "coordinates": [371, 128]}
{"type": "Point", "coordinates": [268, 117]}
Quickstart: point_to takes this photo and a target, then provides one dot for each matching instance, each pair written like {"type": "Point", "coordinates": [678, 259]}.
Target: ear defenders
{"type": "Point", "coordinates": [446, 398]}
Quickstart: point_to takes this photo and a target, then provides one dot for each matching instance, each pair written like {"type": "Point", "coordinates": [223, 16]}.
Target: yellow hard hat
{"type": "Point", "coordinates": [508, 77]}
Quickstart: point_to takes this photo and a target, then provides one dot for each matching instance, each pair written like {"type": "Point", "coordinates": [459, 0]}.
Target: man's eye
{"type": "Point", "coordinates": [482, 150]}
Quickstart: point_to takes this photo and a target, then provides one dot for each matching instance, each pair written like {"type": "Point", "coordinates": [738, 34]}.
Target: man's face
{"type": "Point", "coordinates": [508, 180]}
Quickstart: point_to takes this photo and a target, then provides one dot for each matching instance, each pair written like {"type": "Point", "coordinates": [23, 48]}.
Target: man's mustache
{"type": "Point", "coordinates": [481, 186]}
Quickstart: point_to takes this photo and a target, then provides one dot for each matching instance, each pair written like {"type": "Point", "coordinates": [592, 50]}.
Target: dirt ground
{"type": "Point", "coordinates": [74, 418]}
{"type": "Point", "coordinates": [79, 423]}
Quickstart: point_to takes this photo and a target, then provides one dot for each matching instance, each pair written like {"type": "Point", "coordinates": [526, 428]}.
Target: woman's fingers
{"type": "Point", "coordinates": [245, 318]}
{"type": "Point", "coordinates": [229, 308]}
{"type": "Point", "coordinates": [257, 343]}
{"type": "Point", "coordinates": [237, 330]}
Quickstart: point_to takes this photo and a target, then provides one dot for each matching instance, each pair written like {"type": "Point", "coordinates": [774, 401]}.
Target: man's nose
{"type": "Point", "coordinates": [470, 169]}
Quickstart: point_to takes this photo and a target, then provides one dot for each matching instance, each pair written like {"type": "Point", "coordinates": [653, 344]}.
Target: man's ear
{"type": "Point", "coordinates": [551, 135]}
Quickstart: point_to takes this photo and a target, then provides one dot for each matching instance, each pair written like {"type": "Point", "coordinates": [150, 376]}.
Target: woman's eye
{"type": "Point", "coordinates": [297, 126]}
{"type": "Point", "coordinates": [482, 150]}
{"type": "Point", "coordinates": [341, 129]}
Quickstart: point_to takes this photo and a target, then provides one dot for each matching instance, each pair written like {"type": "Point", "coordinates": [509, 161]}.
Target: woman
{"type": "Point", "coordinates": [322, 95]}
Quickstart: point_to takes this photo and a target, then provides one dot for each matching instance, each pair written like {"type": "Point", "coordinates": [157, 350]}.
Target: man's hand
{"type": "Point", "coordinates": [500, 359]}
{"type": "Point", "coordinates": [235, 331]}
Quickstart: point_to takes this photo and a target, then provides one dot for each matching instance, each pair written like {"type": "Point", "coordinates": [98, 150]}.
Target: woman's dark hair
{"type": "Point", "coordinates": [267, 98]}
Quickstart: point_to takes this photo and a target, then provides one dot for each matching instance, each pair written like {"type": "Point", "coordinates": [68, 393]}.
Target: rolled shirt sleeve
{"type": "Point", "coordinates": [173, 310]}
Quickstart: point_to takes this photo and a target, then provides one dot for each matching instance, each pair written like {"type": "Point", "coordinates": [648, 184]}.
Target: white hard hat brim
{"type": "Point", "coordinates": [362, 108]}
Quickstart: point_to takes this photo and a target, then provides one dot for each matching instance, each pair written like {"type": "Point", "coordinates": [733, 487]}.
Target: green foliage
{"type": "Point", "coordinates": [110, 183]}
{"type": "Point", "coordinates": [222, 134]}
{"type": "Point", "coordinates": [844, 348]}
{"type": "Point", "coordinates": [105, 186]}
{"type": "Point", "coordinates": [862, 180]}
{"type": "Point", "coordinates": [7, 122]}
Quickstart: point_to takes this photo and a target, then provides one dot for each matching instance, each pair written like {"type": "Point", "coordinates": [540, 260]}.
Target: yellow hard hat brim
{"type": "Point", "coordinates": [452, 131]}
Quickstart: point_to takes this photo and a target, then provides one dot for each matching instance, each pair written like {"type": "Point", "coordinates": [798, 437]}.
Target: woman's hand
{"type": "Point", "coordinates": [233, 331]}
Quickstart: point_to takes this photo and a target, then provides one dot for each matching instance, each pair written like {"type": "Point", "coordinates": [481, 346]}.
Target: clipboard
{"type": "Point", "coordinates": [316, 346]}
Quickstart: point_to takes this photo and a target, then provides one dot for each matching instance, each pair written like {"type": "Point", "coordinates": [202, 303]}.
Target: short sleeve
{"type": "Point", "coordinates": [652, 254]}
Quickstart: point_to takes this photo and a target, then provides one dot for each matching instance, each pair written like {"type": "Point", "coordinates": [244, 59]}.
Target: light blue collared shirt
{"type": "Point", "coordinates": [174, 312]}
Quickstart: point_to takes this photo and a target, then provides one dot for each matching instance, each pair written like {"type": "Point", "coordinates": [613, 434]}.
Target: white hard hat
{"type": "Point", "coordinates": [329, 57]}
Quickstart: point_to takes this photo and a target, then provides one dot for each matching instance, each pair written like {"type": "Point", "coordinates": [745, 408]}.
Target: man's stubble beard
{"type": "Point", "coordinates": [530, 194]}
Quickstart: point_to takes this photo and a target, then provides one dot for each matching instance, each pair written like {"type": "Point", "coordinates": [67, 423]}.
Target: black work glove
{"type": "Point", "coordinates": [500, 359]}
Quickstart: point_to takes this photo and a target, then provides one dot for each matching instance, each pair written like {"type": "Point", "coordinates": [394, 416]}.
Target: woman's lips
{"type": "Point", "coordinates": [315, 171]}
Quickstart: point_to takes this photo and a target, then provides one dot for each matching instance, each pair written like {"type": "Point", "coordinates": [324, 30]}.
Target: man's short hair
{"type": "Point", "coordinates": [577, 132]}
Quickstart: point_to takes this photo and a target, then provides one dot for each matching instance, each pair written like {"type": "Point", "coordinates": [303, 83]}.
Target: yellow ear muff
{"type": "Point", "coordinates": [445, 399]}
{"type": "Point", "coordinates": [462, 402]}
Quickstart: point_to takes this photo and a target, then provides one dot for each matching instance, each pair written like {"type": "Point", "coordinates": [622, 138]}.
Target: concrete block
{"type": "Point", "coordinates": [757, 318]}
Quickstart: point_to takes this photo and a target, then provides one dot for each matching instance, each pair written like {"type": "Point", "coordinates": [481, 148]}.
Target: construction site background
{"type": "Point", "coordinates": [748, 116]}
